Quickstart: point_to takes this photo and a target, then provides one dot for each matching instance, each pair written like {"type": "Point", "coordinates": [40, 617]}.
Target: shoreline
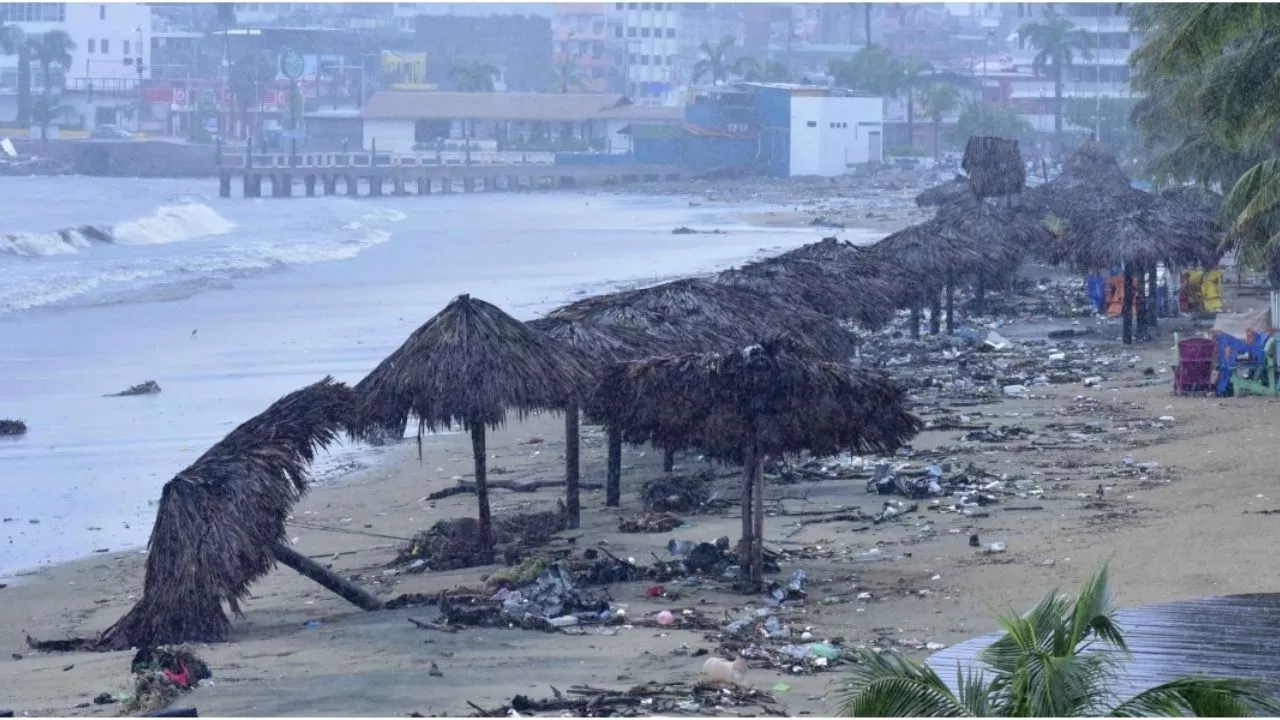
{"type": "Point", "coordinates": [361, 455]}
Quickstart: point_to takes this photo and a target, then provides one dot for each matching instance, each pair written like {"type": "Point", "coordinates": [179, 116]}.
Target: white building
{"type": "Point", "coordinates": [830, 135]}
{"type": "Point", "coordinates": [650, 34]}
{"type": "Point", "coordinates": [110, 41]}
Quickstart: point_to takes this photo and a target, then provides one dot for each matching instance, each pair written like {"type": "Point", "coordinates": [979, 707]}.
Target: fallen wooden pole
{"type": "Point", "coordinates": [313, 570]}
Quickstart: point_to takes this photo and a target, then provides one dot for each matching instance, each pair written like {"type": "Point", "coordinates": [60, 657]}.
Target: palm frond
{"type": "Point", "coordinates": [1201, 697]}
{"type": "Point", "coordinates": [1255, 194]}
{"type": "Point", "coordinates": [889, 685]}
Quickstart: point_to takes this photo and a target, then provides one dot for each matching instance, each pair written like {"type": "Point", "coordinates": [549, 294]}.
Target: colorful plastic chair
{"type": "Point", "coordinates": [1194, 371]}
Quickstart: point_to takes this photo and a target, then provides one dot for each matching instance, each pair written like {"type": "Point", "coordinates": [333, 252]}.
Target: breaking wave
{"type": "Point", "coordinates": [166, 224]}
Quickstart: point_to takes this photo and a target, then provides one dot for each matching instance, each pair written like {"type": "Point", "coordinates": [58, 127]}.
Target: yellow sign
{"type": "Point", "coordinates": [404, 68]}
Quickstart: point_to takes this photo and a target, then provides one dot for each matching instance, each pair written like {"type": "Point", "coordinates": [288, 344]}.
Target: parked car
{"type": "Point", "coordinates": [110, 132]}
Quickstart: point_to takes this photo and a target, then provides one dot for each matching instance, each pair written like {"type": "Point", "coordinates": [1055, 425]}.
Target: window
{"type": "Point", "coordinates": [644, 59]}
{"type": "Point", "coordinates": [812, 123]}
{"type": "Point", "coordinates": [646, 6]}
{"type": "Point", "coordinates": [644, 32]}
{"type": "Point", "coordinates": [671, 32]}
{"type": "Point", "coordinates": [631, 32]}
{"type": "Point", "coordinates": [634, 58]}
{"type": "Point", "coordinates": [632, 6]}
{"type": "Point", "coordinates": [92, 42]}
{"type": "Point", "coordinates": [619, 6]}
{"type": "Point", "coordinates": [126, 47]}
{"type": "Point", "coordinates": [102, 12]}
{"type": "Point", "coordinates": [106, 46]}
{"type": "Point", "coordinates": [617, 31]}
{"type": "Point", "coordinates": [33, 12]}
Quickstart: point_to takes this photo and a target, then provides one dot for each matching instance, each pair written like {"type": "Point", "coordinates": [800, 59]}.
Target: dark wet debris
{"type": "Point", "coordinates": [648, 699]}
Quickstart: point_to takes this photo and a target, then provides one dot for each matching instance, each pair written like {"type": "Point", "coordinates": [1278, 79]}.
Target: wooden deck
{"type": "Point", "coordinates": [375, 174]}
{"type": "Point", "coordinates": [1227, 636]}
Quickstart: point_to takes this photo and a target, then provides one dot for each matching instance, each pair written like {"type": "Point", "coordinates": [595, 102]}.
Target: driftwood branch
{"type": "Point", "coordinates": [465, 486]}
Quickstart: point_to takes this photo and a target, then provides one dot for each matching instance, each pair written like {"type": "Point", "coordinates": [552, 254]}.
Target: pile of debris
{"type": "Point", "coordinates": [764, 639]}
{"type": "Point", "coordinates": [12, 428]}
{"type": "Point", "coordinates": [683, 494]}
{"type": "Point", "coordinates": [649, 699]}
{"type": "Point", "coordinates": [162, 675]}
{"type": "Point", "coordinates": [28, 165]}
{"type": "Point", "coordinates": [456, 543]}
{"type": "Point", "coordinates": [650, 522]}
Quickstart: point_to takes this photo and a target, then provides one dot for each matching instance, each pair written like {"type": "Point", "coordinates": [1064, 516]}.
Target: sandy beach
{"type": "Point", "coordinates": [1189, 527]}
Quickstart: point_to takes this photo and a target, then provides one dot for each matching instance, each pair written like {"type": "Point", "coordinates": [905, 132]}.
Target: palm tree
{"type": "Point", "coordinates": [914, 73]}
{"type": "Point", "coordinates": [979, 118]}
{"type": "Point", "coordinates": [938, 100]}
{"type": "Point", "coordinates": [751, 70]}
{"type": "Point", "coordinates": [1057, 42]}
{"type": "Point", "coordinates": [475, 76]}
{"type": "Point", "coordinates": [714, 62]}
{"type": "Point", "coordinates": [866, 20]}
{"type": "Point", "coordinates": [13, 42]}
{"type": "Point", "coordinates": [1044, 667]}
{"type": "Point", "coordinates": [566, 74]}
{"type": "Point", "coordinates": [50, 50]}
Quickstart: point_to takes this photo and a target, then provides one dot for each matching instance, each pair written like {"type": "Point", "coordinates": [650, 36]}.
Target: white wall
{"type": "Point", "coordinates": [117, 23]}
{"type": "Point", "coordinates": [394, 136]}
{"type": "Point", "coordinates": [841, 135]}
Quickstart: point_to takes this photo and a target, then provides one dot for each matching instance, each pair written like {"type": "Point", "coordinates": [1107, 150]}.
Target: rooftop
{"type": "Point", "coordinates": [546, 107]}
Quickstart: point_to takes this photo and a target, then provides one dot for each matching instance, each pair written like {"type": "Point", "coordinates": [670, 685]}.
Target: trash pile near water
{"type": "Point", "coordinates": [653, 698]}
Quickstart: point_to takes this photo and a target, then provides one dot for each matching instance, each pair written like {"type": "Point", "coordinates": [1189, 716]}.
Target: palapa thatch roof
{"type": "Point", "coordinates": [1002, 235]}
{"type": "Point", "coordinates": [859, 260]}
{"type": "Point", "coordinates": [469, 365]}
{"type": "Point", "coordinates": [929, 252]}
{"type": "Point", "coordinates": [823, 288]}
{"type": "Point", "coordinates": [1095, 197]}
{"type": "Point", "coordinates": [772, 394]}
{"type": "Point", "coordinates": [994, 165]}
{"type": "Point", "coordinates": [219, 519]}
{"type": "Point", "coordinates": [698, 314]}
{"type": "Point", "coordinates": [948, 191]}
{"type": "Point", "coordinates": [597, 343]}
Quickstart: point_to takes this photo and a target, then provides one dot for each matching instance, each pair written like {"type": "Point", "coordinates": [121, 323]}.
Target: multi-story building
{"type": "Point", "coordinates": [582, 43]}
{"type": "Point", "coordinates": [708, 23]}
{"type": "Point", "coordinates": [647, 35]}
{"type": "Point", "coordinates": [112, 42]}
{"type": "Point", "coordinates": [1110, 40]}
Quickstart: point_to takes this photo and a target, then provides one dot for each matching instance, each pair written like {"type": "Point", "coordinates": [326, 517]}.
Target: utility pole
{"type": "Point", "coordinates": [1097, 84]}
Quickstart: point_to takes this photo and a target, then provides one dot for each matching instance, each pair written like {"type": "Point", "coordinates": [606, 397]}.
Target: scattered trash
{"type": "Point", "coordinates": [12, 428]}
{"type": "Point", "coordinates": [719, 670]}
{"type": "Point", "coordinates": [650, 522]}
{"type": "Point", "coordinates": [162, 675]}
{"type": "Point", "coordinates": [651, 698]}
{"type": "Point", "coordinates": [150, 387]}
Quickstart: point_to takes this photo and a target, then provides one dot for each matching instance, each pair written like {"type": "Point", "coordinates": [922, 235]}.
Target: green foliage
{"type": "Point", "coordinates": [979, 118]}
{"type": "Point", "coordinates": [713, 60]}
{"type": "Point", "coordinates": [1118, 133]}
{"type": "Point", "coordinates": [1045, 665]}
{"type": "Point", "coordinates": [566, 76]}
{"type": "Point", "coordinates": [475, 76]}
{"type": "Point", "coordinates": [871, 70]}
{"type": "Point", "coordinates": [250, 75]}
{"type": "Point", "coordinates": [753, 70]}
{"type": "Point", "coordinates": [1211, 76]}
{"type": "Point", "coordinates": [1058, 43]}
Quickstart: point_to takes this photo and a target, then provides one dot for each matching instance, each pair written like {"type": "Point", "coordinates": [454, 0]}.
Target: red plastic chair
{"type": "Point", "coordinates": [1194, 371]}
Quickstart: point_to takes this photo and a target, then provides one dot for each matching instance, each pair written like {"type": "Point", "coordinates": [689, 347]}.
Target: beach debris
{"type": "Point", "coordinates": [175, 712]}
{"type": "Point", "coordinates": [104, 699]}
{"type": "Point", "coordinates": [650, 522]}
{"type": "Point", "coordinates": [681, 494]}
{"type": "Point", "coordinates": [719, 670]}
{"type": "Point", "coordinates": [456, 543]}
{"type": "Point", "coordinates": [162, 675]}
{"type": "Point", "coordinates": [150, 387]}
{"type": "Point", "coordinates": [12, 428]}
{"type": "Point", "coordinates": [6, 712]}
{"type": "Point", "coordinates": [652, 698]}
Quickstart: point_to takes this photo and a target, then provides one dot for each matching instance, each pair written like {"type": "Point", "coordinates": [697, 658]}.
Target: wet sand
{"type": "Point", "coordinates": [1191, 528]}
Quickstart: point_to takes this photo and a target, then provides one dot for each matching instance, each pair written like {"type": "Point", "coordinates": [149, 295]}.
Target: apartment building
{"type": "Point", "coordinates": [647, 35]}
{"type": "Point", "coordinates": [582, 42]}
{"type": "Point", "coordinates": [112, 43]}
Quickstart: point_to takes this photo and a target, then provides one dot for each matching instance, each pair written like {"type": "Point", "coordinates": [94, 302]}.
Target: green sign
{"type": "Point", "coordinates": [291, 64]}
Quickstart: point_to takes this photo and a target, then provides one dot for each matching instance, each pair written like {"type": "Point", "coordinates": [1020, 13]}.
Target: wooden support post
{"type": "Point", "coordinates": [613, 471]}
{"type": "Point", "coordinates": [313, 570]}
{"type": "Point", "coordinates": [573, 499]}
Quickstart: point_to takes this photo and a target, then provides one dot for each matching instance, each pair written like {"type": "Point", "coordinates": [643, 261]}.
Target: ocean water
{"type": "Point", "coordinates": [229, 304]}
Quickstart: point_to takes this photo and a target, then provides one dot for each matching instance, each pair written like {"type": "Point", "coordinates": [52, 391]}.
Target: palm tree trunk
{"type": "Point", "coordinates": [330, 580]}
{"type": "Point", "coordinates": [1153, 308]}
{"type": "Point", "coordinates": [572, 499]}
{"type": "Point", "coordinates": [951, 305]}
{"type": "Point", "coordinates": [915, 320]}
{"type": "Point", "coordinates": [668, 461]}
{"type": "Point", "coordinates": [935, 311]}
{"type": "Point", "coordinates": [937, 130]}
{"type": "Point", "coordinates": [613, 472]}
{"type": "Point", "coordinates": [1057, 105]}
{"type": "Point", "coordinates": [866, 20]}
{"type": "Point", "coordinates": [980, 293]}
{"type": "Point", "coordinates": [24, 85]}
{"type": "Point", "coordinates": [482, 489]}
{"type": "Point", "coordinates": [911, 117]}
{"type": "Point", "coordinates": [45, 113]}
{"type": "Point", "coordinates": [748, 510]}
{"type": "Point", "coordinates": [1126, 305]}
{"type": "Point", "coordinates": [757, 535]}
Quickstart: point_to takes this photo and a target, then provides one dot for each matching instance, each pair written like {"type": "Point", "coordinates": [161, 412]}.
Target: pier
{"type": "Point", "coordinates": [372, 174]}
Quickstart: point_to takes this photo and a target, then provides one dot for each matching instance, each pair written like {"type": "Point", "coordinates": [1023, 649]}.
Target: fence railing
{"type": "Point", "coordinates": [234, 158]}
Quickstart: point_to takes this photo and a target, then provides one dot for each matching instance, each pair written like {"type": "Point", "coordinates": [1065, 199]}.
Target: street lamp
{"type": "Point", "coordinates": [142, 101]}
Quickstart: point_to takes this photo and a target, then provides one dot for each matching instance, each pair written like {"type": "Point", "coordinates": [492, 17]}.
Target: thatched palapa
{"type": "Point", "coordinates": [949, 191]}
{"type": "Point", "coordinates": [994, 165]}
{"type": "Point", "coordinates": [741, 407]}
{"type": "Point", "coordinates": [866, 300]}
{"type": "Point", "coordinates": [469, 365]}
{"type": "Point", "coordinates": [596, 345]}
{"type": "Point", "coordinates": [220, 520]}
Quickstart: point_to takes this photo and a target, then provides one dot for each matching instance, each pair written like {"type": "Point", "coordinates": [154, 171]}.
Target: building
{"type": "Point", "coordinates": [582, 46]}
{"type": "Point", "coordinates": [783, 130]}
{"type": "Point", "coordinates": [647, 35]}
{"type": "Point", "coordinates": [1111, 42]}
{"type": "Point", "coordinates": [404, 122]}
{"type": "Point", "coordinates": [519, 46]}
